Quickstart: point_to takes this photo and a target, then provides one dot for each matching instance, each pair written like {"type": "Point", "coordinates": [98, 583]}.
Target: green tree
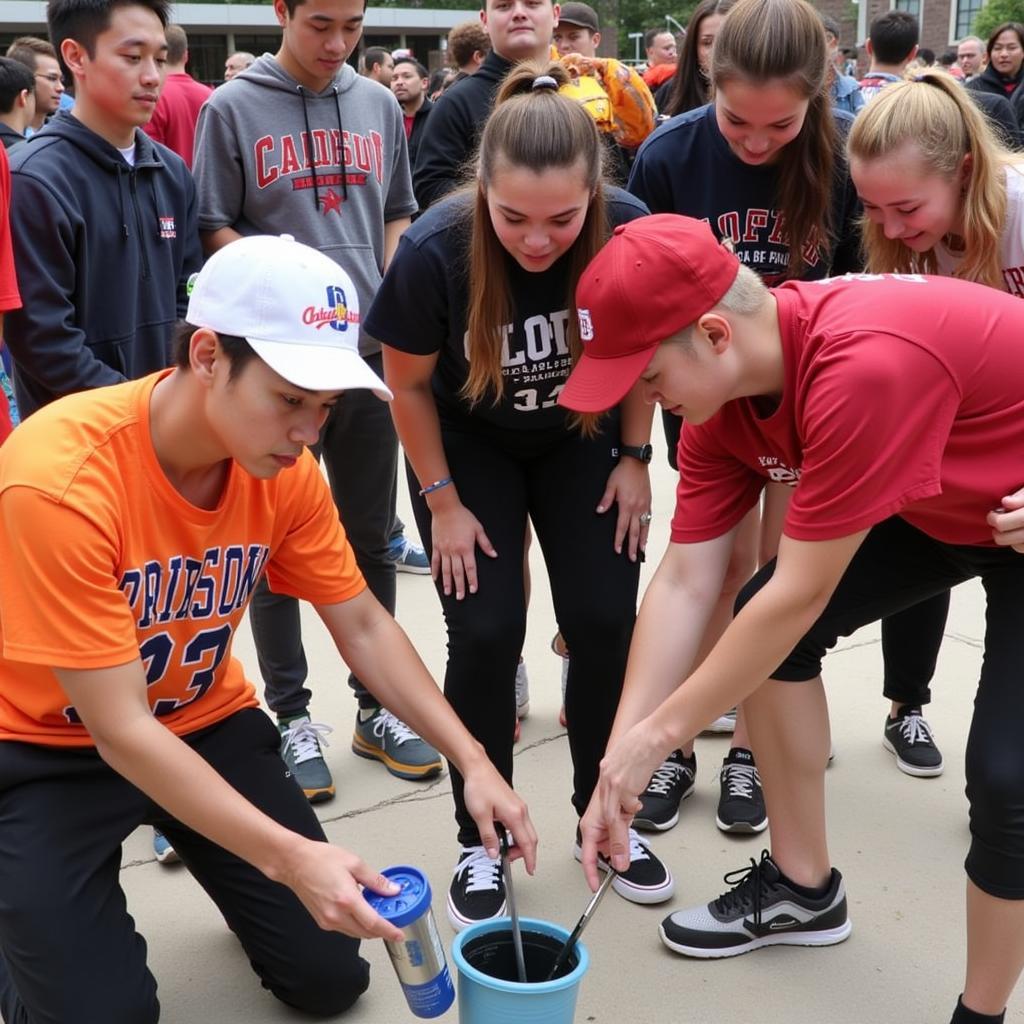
{"type": "Point", "coordinates": [994, 13]}
{"type": "Point", "coordinates": [640, 15]}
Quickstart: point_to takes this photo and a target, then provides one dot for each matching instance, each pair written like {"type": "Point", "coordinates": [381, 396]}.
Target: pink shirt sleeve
{"type": "Point", "coordinates": [9, 297]}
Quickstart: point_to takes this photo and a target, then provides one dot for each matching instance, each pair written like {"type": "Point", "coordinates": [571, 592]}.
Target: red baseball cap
{"type": "Point", "coordinates": [655, 276]}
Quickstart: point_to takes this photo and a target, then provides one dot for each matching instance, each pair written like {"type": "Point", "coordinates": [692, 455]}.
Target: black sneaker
{"type": "Point", "coordinates": [477, 892]}
{"type": "Point", "coordinates": [741, 804]}
{"type": "Point", "coordinates": [910, 738]}
{"type": "Point", "coordinates": [670, 785]}
{"type": "Point", "coordinates": [646, 881]}
{"type": "Point", "coordinates": [761, 910]}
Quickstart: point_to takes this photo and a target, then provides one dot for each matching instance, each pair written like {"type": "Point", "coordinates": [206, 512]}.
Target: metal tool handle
{"type": "Point", "coordinates": [566, 951]}
{"type": "Point", "coordinates": [513, 913]}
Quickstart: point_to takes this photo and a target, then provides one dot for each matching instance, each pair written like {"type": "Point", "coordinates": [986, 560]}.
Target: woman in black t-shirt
{"type": "Point", "coordinates": [479, 328]}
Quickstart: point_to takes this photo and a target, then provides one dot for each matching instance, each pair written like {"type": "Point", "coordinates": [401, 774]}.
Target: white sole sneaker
{"type": "Point", "coordinates": [913, 769]}
{"type": "Point", "coordinates": [645, 895]}
{"type": "Point", "coordinates": [458, 922]}
{"type": "Point", "coordinates": [741, 827]}
{"type": "Point", "coordinates": [826, 937]}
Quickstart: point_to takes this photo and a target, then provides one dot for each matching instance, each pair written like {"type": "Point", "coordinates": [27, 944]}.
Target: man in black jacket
{"type": "Point", "coordinates": [409, 82]}
{"type": "Point", "coordinates": [519, 30]}
{"type": "Point", "coordinates": [103, 219]}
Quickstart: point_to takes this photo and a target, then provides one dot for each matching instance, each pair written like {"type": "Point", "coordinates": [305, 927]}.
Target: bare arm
{"type": "Point", "coordinates": [456, 532]}
{"type": "Point", "coordinates": [113, 706]}
{"type": "Point", "coordinates": [379, 653]}
{"type": "Point", "coordinates": [629, 483]}
{"type": "Point", "coordinates": [752, 647]}
{"type": "Point", "coordinates": [393, 231]}
{"type": "Point", "coordinates": [673, 617]}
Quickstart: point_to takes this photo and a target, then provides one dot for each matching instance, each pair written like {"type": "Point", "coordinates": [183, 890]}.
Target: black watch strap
{"type": "Point", "coordinates": [643, 452]}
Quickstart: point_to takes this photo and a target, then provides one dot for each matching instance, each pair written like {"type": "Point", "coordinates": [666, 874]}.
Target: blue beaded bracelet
{"type": "Point", "coordinates": [435, 486]}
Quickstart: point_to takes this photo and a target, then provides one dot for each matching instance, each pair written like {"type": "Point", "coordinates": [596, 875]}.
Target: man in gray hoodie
{"type": "Point", "coordinates": [300, 144]}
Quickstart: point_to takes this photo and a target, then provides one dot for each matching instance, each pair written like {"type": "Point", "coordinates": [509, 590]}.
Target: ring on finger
{"type": "Point", "coordinates": [645, 518]}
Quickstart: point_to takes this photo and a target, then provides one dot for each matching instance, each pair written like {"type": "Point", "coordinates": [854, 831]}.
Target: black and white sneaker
{"type": "Point", "coordinates": [477, 892]}
{"type": "Point", "coordinates": [741, 804]}
{"type": "Point", "coordinates": [646, 881]}
{"type": "Point", "coordinates": [910, 738]}
{"type": "Point", "coordinates": [761, 910]}
{"type": "Point", "coordinates": [670, 785]}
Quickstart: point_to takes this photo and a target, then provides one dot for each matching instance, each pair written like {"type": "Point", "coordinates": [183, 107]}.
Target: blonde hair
{"type": "Point", "coordinates": [932, 112]}
{"type": "Point", "coordinates": [538, 129]}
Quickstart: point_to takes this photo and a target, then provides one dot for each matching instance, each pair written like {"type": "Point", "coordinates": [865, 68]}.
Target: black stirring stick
{"type": "Point", "coordinates": [566, 951]}
{"type": "Point", "coordinates": [517, 935]}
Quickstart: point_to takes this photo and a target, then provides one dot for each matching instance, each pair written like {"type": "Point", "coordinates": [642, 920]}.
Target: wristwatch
{"type": "Point", "coordinates": [643, 452]}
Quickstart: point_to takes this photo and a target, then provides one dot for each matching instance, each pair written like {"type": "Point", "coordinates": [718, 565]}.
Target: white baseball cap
{"type": "Point", "coordinates": [294, 305]}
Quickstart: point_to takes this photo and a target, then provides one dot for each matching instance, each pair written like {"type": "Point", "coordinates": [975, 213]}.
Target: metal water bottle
{"type": "Point", "coordinates": [419, 958]}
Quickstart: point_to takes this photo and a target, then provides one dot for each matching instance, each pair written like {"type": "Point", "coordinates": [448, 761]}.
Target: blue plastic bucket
{"type": "Point", "coordinates": [488, 992]}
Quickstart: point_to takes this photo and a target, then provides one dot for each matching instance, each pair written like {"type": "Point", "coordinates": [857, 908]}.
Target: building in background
{"type": "Point", "coordinates": [943, 22]}
{"type": "Point", "coordinates": [217, 30]}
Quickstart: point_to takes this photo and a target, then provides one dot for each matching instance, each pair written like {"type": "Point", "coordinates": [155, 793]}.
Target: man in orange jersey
{"type": "Point", "coordinates": [135, 521]}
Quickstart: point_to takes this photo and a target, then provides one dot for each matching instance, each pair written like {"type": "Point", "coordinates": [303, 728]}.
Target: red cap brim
{"type": "Point", "coordinates": [599, 384]}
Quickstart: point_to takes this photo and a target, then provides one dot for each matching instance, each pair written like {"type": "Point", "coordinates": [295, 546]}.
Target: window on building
{"type": "Point", "coordinates": [206, 56]}
{"type": "Point", "coordinates": [965, 14]}
{"type": "Point", "coordinates": [910, 6]}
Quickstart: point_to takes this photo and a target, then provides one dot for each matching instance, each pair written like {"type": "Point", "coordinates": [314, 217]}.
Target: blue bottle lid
{"type": "Point", "coordinates": [409, 904]}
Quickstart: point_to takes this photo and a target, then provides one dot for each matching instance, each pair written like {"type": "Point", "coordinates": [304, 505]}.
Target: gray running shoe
{"type": "Point", "coordinates": [302, 753]}
{"type": "Point", "coordinates": [760, 910]}
{"type": "Point", "coordinates": [389, 740]}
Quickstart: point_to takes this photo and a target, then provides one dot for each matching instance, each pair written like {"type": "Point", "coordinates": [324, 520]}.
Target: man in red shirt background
{"type": "Point", "coordinates": [174, 119]}
{"type": "Point", "coordinates": [9, 297]}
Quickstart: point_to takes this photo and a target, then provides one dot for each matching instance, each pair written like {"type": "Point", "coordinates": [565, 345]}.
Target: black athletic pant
{"type": "Point", "coordinates": [71, 954]}
{"type": "Point", "coordinates": [359, 447]}
{"type": "Point", "coordinates": [895, 568]}
{"type": "Point", "coordinates": [910, 639]}
{"type": "Point", "coordinates": [503, 477]}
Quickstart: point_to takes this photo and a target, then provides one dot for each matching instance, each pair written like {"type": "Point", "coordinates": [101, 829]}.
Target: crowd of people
{"type": "Point", "coordinates": [497, 269]}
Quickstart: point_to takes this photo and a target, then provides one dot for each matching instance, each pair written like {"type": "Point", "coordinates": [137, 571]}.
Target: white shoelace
{"type": "Point", "coordinates": [637, 849]}
{"type": "Point", "coordinates": [484, 873]}
{"type": "Point", "coordinates": [303, 738]}
{"type": "Point", "coordinates": [739, 779]}
{"type": "Point", "coordinates": [916, 730]}
{"type": "Point", "coordinates": [386, 722]}
{"type": "Point", "coordinates": [664, 778]}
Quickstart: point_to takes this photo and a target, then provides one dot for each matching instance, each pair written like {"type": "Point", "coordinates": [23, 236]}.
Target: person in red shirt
{"type": "Point", "coordinates": [9, 296]}
{"type": "Point", "coordinates": [174, 119]}
{"type": "Point", "coordinates": [893, 405]}
{"type": "Point", "coordinates": [135, 522]}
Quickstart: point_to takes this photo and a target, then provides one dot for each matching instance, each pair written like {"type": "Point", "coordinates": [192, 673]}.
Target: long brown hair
{"type": "Point", "coordinates": [690, 89]}
{"type": "Point", "coordinates": [537, 129]}
{"type": "Point", "coordinates": [765, 40]}
{"type": "Point", "coordinates": [933, 113]}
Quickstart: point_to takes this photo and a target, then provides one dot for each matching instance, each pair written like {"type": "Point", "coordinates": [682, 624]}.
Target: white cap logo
{"type": "Point", "coordinates": [586, 325]}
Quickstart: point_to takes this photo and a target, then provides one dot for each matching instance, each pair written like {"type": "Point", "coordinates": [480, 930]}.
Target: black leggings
{"type": "Point", "coordinates": [910, 639]}
{"type": "Point", "coordinates": [895, 568]}
{"type": "Point", "coordinates": [70, 949]}
{"type": "Point", "coordinates": [502, 479]}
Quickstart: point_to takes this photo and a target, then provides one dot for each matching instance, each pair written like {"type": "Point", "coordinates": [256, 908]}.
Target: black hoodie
{"type": "Point", "coordinates": [103, 252]}
{"type": "Point", "coordinates": [992, 81]}
{"type": "Point", "coordinates": [453, 130]}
